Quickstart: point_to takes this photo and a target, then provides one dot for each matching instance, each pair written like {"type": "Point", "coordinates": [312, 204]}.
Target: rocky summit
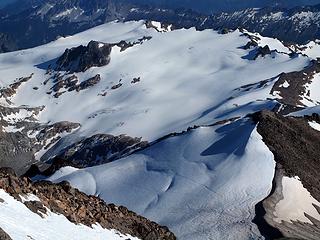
{"type": "Point", "coordinates": [81, 58]}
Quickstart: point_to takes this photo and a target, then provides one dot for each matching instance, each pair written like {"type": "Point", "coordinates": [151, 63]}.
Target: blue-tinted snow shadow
{"type": "Point", "coordinates": [234, 138]}
{"type": "Point", "coordinates": [51, 64]}
{"type": "Point", "coordinates": [251, 55]}
{"type": "Point", "coordinates": [250, 107]}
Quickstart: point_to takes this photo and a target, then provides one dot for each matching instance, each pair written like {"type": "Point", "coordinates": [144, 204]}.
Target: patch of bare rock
{"type": "Point", "coordinates": [22, 138]}
{"type": "Point", "coordinates": [100, 149]}
{"type": "Point", "coordinates": [293, 93]}
{"type": "Point", "coordinates": [4, 235]}
{"type": "Point", "coordinates": [11, 90]}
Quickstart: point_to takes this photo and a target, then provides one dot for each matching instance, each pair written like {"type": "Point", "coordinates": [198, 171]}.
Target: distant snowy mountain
{"type": "Point", "coordinates": [38, 22]}
{"type": "Point", "coordinates": [291, 25]}
{"type": "Point", "coordinates": [214, 6]}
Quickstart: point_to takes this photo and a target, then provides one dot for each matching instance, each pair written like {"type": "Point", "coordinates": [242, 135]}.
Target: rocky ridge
{"type": "Point", "coordinates": [80, 59]}
{"type": "Point", "coordinates": [295, 146]}
{"type": "Point", "coordinates": [100, 149]}
{"type": "Point", "coordinates": [80, 208]}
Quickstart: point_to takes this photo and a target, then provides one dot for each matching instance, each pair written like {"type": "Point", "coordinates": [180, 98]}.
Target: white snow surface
{"type": "Point", "coordinates": [273, 43]}
{"type": "Point", "coordinates": [295, 203]}
{"type": "Point", "coordinates": [188, 78]}
{"type": "Point", "coordinates": [21, 223]}
{"type": "Point", "coordinates": [315, 125]}
{"type": "Point", "coordinates": [312, 95]}
{"type": "Point", "coordinates": [312, 49]}
{"type": "Point", "coordinates": [203, 184]}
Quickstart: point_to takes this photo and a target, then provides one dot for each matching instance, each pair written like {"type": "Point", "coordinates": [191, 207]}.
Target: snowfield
{"type": "Point", "coordinates": [188, 78]}
{"type": "Point", "coordinates": [21, 223]}
{"type": "Point", "coordinates": [203, 184]}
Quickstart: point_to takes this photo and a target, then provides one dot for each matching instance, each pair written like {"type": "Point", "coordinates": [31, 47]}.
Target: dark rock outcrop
{"type": "Point", "coordinates": [295, 145]}
{"type": "Point", "coordinates": [88, 83]}
{"type": "Point", "coordinates": [136, 80]}
{"type": "Point", "coordinates": [22, 138]}
{"type": "Point", "coordinates": [11, 90]}
{"type": "Point", "coordinates": [100, 149]}
{"type": "Point", "coordinates": [80, 208]}
{"type": "Point", "coordinates": [4, 235]}
{"type": "Point", "coordinates": [297, 81]}
{"type": "Point", "coordinates": [263, 51]}
{"type": "Point", "coordinates": [124, 45]}
{"type": "Point", "coordinates": [296, 149]}
{"type": "Point", "coordinates": [114, 87]}
{"type": "Point", "coordinates": [80, 59]}
{"type": "Point", "coordinates": [70, 83]}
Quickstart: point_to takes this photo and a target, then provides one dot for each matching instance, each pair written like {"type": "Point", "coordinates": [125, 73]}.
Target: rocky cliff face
{"type": "Point", "coordinates": [80, 208]}
{"type": "Point", "coordinates": [295, 146]}
{"type": "Point", "coordinates": [100, 149]}
{"type": "Point", "coordinates": [82, 58]}
{"type": "Point", "coordinates": [7, 44]}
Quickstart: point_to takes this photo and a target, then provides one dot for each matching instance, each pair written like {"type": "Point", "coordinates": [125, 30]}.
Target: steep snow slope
{"type": "Point", "coordinates": [203, 184]}
{"type": "Point", "coordinates": [21, 223]}
{"type": "Point", "coordinates": [187, 77]}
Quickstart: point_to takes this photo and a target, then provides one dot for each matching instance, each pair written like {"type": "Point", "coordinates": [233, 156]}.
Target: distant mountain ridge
{"type": "Point", "coordinates": [23, 26]}
{"type": "Point", "coordinates": [216, 6]}
{"type": "Point", "coordinates": [292, 25]}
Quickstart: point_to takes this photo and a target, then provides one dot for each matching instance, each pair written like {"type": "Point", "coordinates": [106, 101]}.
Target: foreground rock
{"type": "Point", "coordinates": [80, 208]}
{"type": "Point", "coordinates": [296, 149]}
{"type": "Point", "coordinates": [4, 235]}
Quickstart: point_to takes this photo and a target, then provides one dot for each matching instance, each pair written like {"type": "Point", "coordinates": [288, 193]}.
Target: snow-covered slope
{"type": "Point", "coordinates": [202, 184]}
{"type": "Point", "coordinates": [312, 49]}
{"type": "Point", "coordinates": [189, 77]}
{"type": "Point", "coordinates": [21, 223]}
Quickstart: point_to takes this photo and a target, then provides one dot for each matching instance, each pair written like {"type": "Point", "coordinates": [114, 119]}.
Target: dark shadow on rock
{"type": "Point", "coordinates": [256, 52]}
